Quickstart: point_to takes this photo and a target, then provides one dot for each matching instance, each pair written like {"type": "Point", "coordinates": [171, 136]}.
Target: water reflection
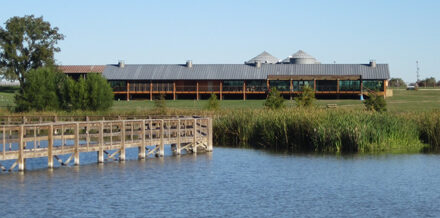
{"type": "Point", "coordinates": [229, 183]}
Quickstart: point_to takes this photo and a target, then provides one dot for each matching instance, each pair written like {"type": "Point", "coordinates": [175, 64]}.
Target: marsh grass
{"type": "Point", "coordinates": [318, 130]}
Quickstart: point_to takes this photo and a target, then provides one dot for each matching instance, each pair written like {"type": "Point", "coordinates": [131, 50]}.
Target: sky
{"type": "Point", "coordinates": [397, 32]}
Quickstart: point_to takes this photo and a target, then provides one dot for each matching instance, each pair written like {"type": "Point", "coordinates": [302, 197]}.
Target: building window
{"type": "Point", "coordinates": [326, 85]}
{"type": "Point", "coordinates": [256, 86]}
{"type": "Point", "coordinates": [233, 86]}
{"type": "Point", "coordinates": [298, 85]}
{"type": "Point", "coordinates": [280, 85]}
{"type": "Point", "coordinates": [118, 85]}
{"type": "Point", "coordinates": [373, 85]}
{"type": "Point", "coordinates": [349, 85]}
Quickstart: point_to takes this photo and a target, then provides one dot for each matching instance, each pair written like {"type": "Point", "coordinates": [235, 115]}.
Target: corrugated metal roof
{"type": "Point", "coordinates": [82, 68]}
{"type": "Point", "coordinates": [238, 71]}
{"type": "Point", "coordinates": [264, 57]}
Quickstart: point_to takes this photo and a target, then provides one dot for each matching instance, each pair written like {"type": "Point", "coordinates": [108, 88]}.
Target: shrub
{"type": "Point", "coordinates": [42, 90]}
{"type": "Point", "coordinates": [160, 104]}
{"type": "Point", "coordinates": [47, 89]}
{"type": "Point", "coordinates": [375, 102]}
{"type": "Point", "coordinates": [213, 103]}
{"type": "Point", "coordinates": [274, 100]}
{"type": "Point", "coordinates": [306, 98]}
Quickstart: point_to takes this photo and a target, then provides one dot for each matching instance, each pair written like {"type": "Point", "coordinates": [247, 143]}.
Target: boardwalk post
{"type": "Point", "coordinates": [209, 135]}
{"type": "Point", "coordinates": [195, 137]}
{"type": "Point", "coordinates": [122, 154]}
{"type": "Point", "coordinates": [101, 143]}
{"type": "Point", "coordinates": [76, 151]}
{"type": "Point", "coordinates": [50, 147]}
{"type": "Point", "coordinates": [178, 138]}
{"type": "Point", "coordinates": [20, 146]}
{"type": "Point", "coordinates": [161, 146]}
{"type": "Point", "coordinates": [141, 154]}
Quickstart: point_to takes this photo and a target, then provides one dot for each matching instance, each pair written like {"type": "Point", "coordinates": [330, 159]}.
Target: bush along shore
{"type": "Point", "coordinates": [336, 131]}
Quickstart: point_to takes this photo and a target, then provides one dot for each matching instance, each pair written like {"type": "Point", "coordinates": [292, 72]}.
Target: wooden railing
{"type": "Point", "coordinates": [19, 142]}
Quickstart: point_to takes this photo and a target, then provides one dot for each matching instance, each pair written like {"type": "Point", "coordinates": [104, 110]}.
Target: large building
{"type": "Point", "coordinates": [250, 80]}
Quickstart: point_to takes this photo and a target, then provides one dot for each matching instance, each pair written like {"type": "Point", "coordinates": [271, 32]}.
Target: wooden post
{"type": "Point", "coordinates": [244, 90]}
{"type": "Point", "coordinates": [21, 149]}
{"type": "Point", "coordinates": [76, 151]}
{"type": "Point", "coordinates": [4, 142]}
{"type": "Point", "coordinates": [209, 135]}
{"type": "Point", "coordinates": [161, 145]}
{"type": "Point", "coordinates": [221, 90]}
{"type": "Point", "coordinates": [101, 143]}
{"type": "Point", "coordinates": [314, 85]}
{"type": "Point", "coordinates": [50, 147]}
{"type": "Point", "coordinates": [195, 137]}
{"type": "Point", "coordinates": [151, 91]}
{"type": "Point", "coordinates": [122, 154]}
{"type": "Point", "coordinates": [178, 138]}
{"type": "Point", "coordinates": [23, 118]}
{"type": "Point", "coordinates": [337, 86]}
{"type": "Point", "coordinates": [128, 91]}
{"type": "Point", "coordinates": [362, 87]}
{"type": "Point", "coordinates": [141, 154]}
{"type": "Point", "coordinates": [291, 88]}
{"type": "Point", "coordinates": [174, 90]}
{"type": "Point", "coordinates": [197, 90]}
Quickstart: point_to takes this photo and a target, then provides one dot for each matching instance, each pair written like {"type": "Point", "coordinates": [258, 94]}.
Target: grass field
{"type": "Point", "coordinates": [402, 101]}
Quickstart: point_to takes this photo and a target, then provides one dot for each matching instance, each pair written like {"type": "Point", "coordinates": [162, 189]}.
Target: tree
{"type": "Point", "coordinates": [306, 98]}
{"type": "Point", "coordinates": [41, 90]}
{"type": "Point", "coordinates": [397, 82]}
{"type": "Point", "coordinates": [27, 43]}
{"type": "Point", "coordinates": [274, 100]}
{"type": "Point", "coordinates": [213, 102]}
{"type": "Point", "coordinates": [375, 102]}
{"type": "Point", "coordinates": [427, 82]}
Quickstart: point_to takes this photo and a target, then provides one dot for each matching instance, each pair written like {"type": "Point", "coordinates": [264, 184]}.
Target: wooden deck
{"type": "Point", "coordinates": [109, 139]}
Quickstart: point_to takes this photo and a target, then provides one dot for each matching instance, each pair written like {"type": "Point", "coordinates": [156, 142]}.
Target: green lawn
{"type": "Point", "coordinates": [402, 101]}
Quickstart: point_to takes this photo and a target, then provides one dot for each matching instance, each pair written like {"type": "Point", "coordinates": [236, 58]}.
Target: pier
{"type": "Point", "coordinates": [45, 137]}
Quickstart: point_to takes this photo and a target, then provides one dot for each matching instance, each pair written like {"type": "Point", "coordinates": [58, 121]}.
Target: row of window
{"type": "Point", "coordinates": [257, 85]}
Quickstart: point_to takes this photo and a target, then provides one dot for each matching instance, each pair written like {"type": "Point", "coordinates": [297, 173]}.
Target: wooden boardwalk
{"type": "Point", "coordinates": [109, 138]}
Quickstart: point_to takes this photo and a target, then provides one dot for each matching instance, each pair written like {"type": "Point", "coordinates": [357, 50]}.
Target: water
{"type": "Point", "coordinates": [229, 183]}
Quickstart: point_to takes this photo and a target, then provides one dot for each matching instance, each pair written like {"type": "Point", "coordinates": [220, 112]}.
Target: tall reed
{"type": "Point", "coordinates": [318, 130]}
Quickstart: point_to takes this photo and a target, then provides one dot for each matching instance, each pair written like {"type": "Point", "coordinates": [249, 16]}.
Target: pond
{"type": "Point", "coordinates": [228, 183]}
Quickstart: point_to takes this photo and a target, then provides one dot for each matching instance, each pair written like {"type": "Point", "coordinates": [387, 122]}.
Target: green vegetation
{"type": "Point", "coordinates": [375, 103]}
{"type": "Point", "coordinates": [318, 130]}
{"type": "Point", "coordinates": [397, 83]}
{"type": "Point", "coordinates": [45, 89]}
{"type": "Point", "coordinates": [213, 103]}
{"type": "Point", "coordinates": [160, 105]}
{"type": "Point", "coordinates": [274, 100]}
{"type": "Point", "coordinates": [306, 98]}
{"type": "Point", "coordinates": [26, 43]}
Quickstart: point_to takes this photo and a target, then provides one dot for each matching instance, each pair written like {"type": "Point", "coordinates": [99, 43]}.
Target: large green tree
{"type": "Point", "coordinates": [27, 43]}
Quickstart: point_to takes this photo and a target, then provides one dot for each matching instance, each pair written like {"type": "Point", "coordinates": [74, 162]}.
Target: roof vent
{"type": "Point", "coordinates": [373, 63]}
{"type": "Point", "coordinates": [121, 64]}
{"type": "Point", "coordinates": [189, 63]}
{"type": "Point", "coordinates": [258, 64]}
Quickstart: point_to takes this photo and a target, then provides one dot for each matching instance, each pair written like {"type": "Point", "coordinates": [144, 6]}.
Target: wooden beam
{"type": "Point", "coordinates": [50, 147]}
{"type": "Point", "coordinates": [174, 90]}
{"type": "Point", "coordinates": [197, 90]}
{"type": "Point", "coordinates": [178, 138]}
{"type": "Point", "coordinates": [221, 90]}
{"type": "Point", "coordinates": [101, 143]}
{"type": "Point", "coordinates": [337, 85]}
{"type": "Point", "coordinates": [151, 90]}
{"type": "Point", "coordinates": [128, 91]}
{"type": "Point", "coordinates": [20, 159]}
{"type": "Point", "coordinates": [210, 135]}
{"type": "Point", "coordinates": [122, 154]}
{"type": "Point", "coordinates": [76, 151]}
{"type": "Point", "coordinates": [244, 90]}
{"type": "Point", "coordinates": [141, 149]}
{"type": "Point", "coordinates": [314, 85]}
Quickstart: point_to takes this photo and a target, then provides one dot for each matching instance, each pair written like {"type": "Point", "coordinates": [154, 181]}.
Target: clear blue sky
{"type": "Point", "coordinates": [231, 31]}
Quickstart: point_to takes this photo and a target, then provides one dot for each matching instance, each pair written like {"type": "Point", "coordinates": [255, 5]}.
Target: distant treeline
{"type": "Point", "coordinates": [428, 82]}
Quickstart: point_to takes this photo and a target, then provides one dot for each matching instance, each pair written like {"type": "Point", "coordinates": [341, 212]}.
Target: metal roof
{"type": "Point", "coordinates": [264, 58]}
{"type": "Point", "coordinates": [82, 68]}
{"type": "Point", "coordinates": [238, 71]}
{"type": "Point", "coordinates": [302, 54]}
